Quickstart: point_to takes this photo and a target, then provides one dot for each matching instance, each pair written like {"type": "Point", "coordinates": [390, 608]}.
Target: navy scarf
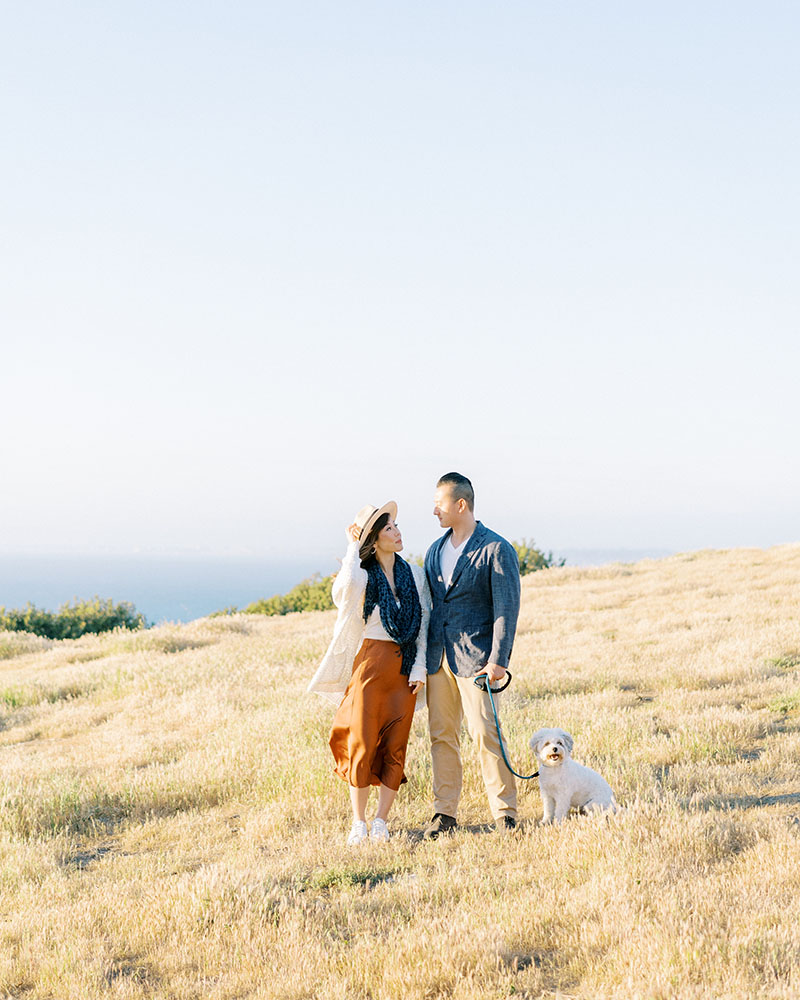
{"type": "Point", "coordinates": [400, 621]}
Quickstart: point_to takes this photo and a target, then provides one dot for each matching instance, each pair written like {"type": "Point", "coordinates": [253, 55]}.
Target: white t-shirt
{"type": "Point", "coordinates": [374, 629]}
{"type": "Point", "coordinates": [449, 557]}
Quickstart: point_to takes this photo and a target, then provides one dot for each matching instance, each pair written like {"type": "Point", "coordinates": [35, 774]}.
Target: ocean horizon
{"type": "Point", "coordinates": [183, 588]}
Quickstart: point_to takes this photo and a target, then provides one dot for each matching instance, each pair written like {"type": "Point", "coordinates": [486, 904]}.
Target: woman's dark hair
{"type": "Point", "coordinates": [365, 552]}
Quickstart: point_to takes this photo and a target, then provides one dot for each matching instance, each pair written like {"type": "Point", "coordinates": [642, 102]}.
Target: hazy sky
{"type": "Point", "coordinates": [264, 263]}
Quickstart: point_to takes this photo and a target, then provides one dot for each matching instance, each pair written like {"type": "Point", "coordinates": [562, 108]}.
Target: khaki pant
{"type": "Point", "coordinates": [450, 698]}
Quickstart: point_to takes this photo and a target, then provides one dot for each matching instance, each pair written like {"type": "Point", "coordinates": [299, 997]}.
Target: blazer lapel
{"type": "Point", "coordinates": [470, 548]}
{"type": "Point", "coordinates": [436, 560]}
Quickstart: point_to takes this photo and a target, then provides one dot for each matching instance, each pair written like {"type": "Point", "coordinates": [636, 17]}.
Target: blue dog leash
{"type": "Point", "coordinates": [482, 682]}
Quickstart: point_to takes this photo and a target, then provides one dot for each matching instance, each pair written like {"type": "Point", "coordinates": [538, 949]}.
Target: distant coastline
{"type": "Point", "coordinates": [171, 588]}
{"type": "Point", "coordinates": [184, 588]}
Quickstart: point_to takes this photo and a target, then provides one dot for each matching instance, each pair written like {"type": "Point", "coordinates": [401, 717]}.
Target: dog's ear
{"type": "Point", "coordinates": [536, 739]}
{"type": "Point", "coordinates": [568, 741]}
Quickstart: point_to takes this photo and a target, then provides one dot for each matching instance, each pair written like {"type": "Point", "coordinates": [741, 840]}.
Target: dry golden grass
{"type": "Point", "coordinates": [170, 826]}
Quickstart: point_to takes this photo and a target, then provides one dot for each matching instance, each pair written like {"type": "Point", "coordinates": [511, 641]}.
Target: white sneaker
{"type": "Point", "coordinates": [379, 830]}
{"type": "Point", "coordinates": [358, 833]}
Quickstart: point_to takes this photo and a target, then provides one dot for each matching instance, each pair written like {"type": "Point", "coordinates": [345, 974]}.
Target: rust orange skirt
{"type": "Point", "coordinates": [370, 731]}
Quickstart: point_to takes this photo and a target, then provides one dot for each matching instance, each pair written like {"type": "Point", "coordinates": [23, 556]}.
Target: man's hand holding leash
{"type": "Point", "coordinates": [494, 672]}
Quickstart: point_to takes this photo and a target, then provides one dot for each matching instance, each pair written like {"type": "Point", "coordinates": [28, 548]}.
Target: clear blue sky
{"type": "Point", "coordinates": [263, 263]}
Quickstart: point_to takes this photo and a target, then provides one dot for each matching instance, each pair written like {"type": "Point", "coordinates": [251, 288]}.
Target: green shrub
{"type": "Point", "coordinates": [532, 559]}
{"type": "Point", "coordinates": [72, 619]}
{"type": "Point", "coordinates": [313, 594]}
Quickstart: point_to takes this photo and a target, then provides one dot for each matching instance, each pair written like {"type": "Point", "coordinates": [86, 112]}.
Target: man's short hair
{"type": "Point", "coordinates": [460, 487]}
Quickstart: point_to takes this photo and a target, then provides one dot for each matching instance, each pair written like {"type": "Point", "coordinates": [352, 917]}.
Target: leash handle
{"type": "Point", "coordinates": [482, 682]}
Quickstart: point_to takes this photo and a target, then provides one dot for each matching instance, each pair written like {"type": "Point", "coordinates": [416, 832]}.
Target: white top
{"type": "Point", "coordinates": [333, 673]}
{"type": "Point", "coordinates": [449, 557]}
{"type": "Point", "coordinates": [374, 628]}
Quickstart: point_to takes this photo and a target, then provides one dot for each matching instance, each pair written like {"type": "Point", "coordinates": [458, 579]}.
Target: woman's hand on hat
{"type": "Point", "coordinates": [353, 533]}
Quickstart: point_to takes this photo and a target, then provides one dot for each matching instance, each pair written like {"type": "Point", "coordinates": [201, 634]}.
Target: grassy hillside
{"type": "Point", "coordinates": [170, 827]}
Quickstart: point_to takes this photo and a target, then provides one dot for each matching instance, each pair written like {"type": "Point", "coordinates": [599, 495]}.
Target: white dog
{"type": "Point", "coordinates": [565, 784]}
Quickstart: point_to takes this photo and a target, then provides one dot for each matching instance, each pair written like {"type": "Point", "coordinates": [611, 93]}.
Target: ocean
{"type": "Point", "coordinates": [162, 589]}
{"type": "Point", "coordinates": [182, 589]}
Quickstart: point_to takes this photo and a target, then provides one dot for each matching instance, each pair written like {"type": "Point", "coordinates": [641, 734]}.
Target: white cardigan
{"type": "Point", "coordinates": [333, 674]}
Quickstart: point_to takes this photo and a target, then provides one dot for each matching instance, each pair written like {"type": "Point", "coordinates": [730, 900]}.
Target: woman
{"type": "Point", "coordinates": [377, 657]}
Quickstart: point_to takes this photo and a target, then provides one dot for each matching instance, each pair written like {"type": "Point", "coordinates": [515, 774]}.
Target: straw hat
{"type": "Point", "coordinates": [367, 516]}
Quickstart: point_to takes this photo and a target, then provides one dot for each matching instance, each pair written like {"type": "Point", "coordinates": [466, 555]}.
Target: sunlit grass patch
{"type": "Point", "coordinates": [14, 644]}
{"type": "Point", "coordinates": [170, 826]}
{"type": "Point", "coordinates": [163, 640]}
{"type": "Point", "coordinates": [350, 876]}
{"type": "Point", "coordinates": [786, 704]}
{"type": "Point", "coordinates": [19, 697]}
{"type": "Point", "coordinates": [788, 661]}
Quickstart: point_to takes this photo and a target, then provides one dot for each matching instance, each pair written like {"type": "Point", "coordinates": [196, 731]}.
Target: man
{"type": "Point", "coordinates": [473, 575]}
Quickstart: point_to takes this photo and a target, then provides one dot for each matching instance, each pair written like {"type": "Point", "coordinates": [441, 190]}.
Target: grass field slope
{"type": "Point", "coordinates": [170, 826]}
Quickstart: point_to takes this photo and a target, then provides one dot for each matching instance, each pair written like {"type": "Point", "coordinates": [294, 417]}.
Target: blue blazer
{"type": "Point", "coordinates": [474, 619]}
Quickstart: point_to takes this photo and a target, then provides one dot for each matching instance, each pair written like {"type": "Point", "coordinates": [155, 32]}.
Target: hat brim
{"type": "Point", "coordinates": [389, 508]}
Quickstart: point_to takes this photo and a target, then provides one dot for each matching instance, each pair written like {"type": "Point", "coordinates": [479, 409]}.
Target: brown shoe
{"type": "Point", "coordinates": [439, 824]}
